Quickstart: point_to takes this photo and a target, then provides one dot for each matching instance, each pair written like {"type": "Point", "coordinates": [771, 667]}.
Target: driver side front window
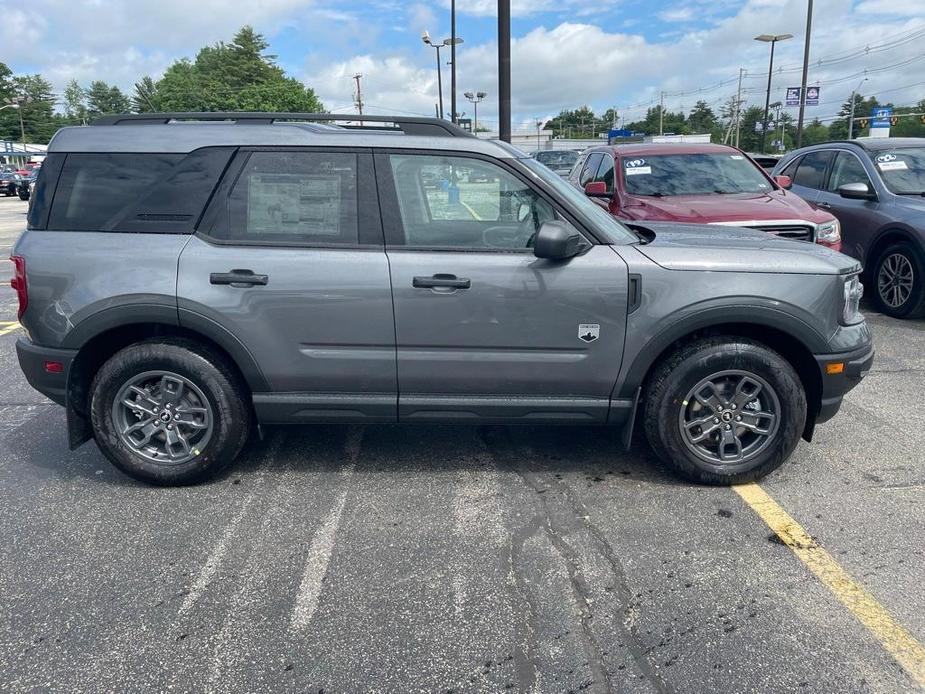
{"type": "Point", "coordinates": [459, 202]}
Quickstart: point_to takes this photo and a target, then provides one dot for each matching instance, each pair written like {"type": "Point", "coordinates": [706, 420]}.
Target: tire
{"type": "Point", "coordinates": [211, 408]}
{"type": "Point", "coordinates": [724, 361]}
{"type": "Point", "coordinates": [893, 263]}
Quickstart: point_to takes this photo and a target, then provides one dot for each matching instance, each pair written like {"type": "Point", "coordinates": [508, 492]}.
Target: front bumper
{"type": "Point", "coordinates": [32, 361]}
{"type": "Point", "coordinates": [856, 365]}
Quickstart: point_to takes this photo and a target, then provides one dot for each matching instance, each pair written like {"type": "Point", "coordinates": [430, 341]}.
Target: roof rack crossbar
{"type": "Point", "coordinates": [409, 125]}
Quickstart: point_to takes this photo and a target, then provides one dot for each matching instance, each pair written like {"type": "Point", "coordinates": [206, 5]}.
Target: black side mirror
{"type": "Point", "coordinates": [557, 241]}
{"type": "Point", "coordinates": [857, 191]}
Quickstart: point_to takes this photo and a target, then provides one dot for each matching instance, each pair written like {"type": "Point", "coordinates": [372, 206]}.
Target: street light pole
{"type": "Point", "coordinates": [504, 70]}
{"type": "Point", "coordinates": [425, 37]}
{"type": "Point", "coordinates": [851, 118]}
{"type": "Point", "coordinates": [772, 39]}
{"type": "Point", "coordinates": [475, 98]}
{"type": "Point", "coordinates": [453, 43]}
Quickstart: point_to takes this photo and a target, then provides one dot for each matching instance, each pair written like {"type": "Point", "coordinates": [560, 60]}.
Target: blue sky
{"type": "Point", "coordinates": [566, 53]}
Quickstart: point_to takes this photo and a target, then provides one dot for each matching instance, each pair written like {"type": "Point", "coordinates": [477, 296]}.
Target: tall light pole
{"type": "Point", "coordinates": [538, 124]}
{"type": "Point", "coordinates": [772, 39]}
{"type": "Point", "coordinates": [809, 31]}
{"type": "Point", "coordinates": [425, 37]}
{"type": "Point", "coordinates": [504, 70]}
{"type": "Point", "coordinates": [453, 43]}
{"type": "Point", "coordinates": [851, 118]}
{"type": "Point", "coordinates": [475, 98]}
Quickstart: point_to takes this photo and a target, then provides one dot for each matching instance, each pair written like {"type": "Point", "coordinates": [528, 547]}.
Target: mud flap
{"type": "Point", "coordinates": [628, 429]}
{"type": "Point", "coordinates": [78, 428]}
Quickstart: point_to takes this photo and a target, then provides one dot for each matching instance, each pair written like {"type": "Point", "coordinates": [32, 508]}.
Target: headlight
{"type": "Point", "coordinates": [829, 233]}
{"type": "Point", "coordinates": [854, 290]}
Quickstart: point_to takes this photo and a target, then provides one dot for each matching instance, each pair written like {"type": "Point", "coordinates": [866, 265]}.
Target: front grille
{"type": "Point", "coordinates": [797, 232]}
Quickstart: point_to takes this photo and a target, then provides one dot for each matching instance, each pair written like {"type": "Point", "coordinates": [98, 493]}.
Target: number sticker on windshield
{"type": "Point", "coordinates": [892, 165]}
{"type": "Point", "coordinates": [636, 170]}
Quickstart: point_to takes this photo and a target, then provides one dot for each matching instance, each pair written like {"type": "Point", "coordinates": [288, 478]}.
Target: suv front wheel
{"type": "Point", "coordinates": [168, 412]}
{"type": "Point", "coordinates": [899, 281]}
{"type": "Point", "coordinates": [724, 410]}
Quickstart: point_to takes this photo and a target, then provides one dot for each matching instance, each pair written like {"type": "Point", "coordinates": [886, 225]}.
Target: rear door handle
{"type": "Point", "coordinates": [441, 281]}
{"type": "Point", "coordinates": [239, 278]}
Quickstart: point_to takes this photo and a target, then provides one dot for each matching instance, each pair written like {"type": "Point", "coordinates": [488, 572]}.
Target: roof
{"type": "Point", "coordinates": [652, 148]}
{"type": "Point", "coordinates": [876, 144]}
{"type": "Point", "coordinates": [184, 132]}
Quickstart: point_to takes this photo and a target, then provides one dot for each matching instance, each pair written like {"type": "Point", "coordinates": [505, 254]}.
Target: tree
{"type": "Point", "coordinates": [702, 119]}
{"type": "Point", "coordinates": [103, 98]}
{"type": "Point", "coordinates": [236, 76]}
{"type": "Point", "coordinates": [578, 123]}
{"type": "Point", "coordinates": [145, 98]}
{"type": "Point", "coordinates": [75, 102]}
{"type": "Point", "coordinates": [815, 132]}
{"type": "Point", "coordinates": [36, 102]}
{"type": "Point", "coordinates": [674, 123]}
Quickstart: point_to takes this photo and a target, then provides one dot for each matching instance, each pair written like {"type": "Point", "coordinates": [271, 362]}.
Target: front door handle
{"type": "Point", "coordinates": [441, 281]}
{"type": "Point", "coordinates": [239, 278]}
{"type": "Point", "coordinates": [824, 205]}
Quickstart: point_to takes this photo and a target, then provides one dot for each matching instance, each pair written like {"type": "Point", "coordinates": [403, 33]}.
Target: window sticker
{"type": "Point", "coordinates": [296, 203]}
{"type": "Point", "coordinates": [736, 156]}
{"type": "Point", "coordinates": [889, 156]}
{"type": "Point", "coordinates": [634, 163]}
{"type": "Point", "coordinates": [636, 170]}
{"type": "Point", "coordinates": [898, 165]}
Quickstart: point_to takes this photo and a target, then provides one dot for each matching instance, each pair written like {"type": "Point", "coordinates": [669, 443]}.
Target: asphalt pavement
{"type": "Point", "coordinates": [383, 558]}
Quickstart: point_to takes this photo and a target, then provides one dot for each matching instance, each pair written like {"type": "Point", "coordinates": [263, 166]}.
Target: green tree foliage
{"type": "Point", "coordinates": [145, 97]}
{"type": "Point", "coordinates": [702, 119]}
{"type": "Point", "coordinates": [36, 102]}
{"type": "Point", "coordinates": [578, 123]}
{"type": "Point", "coordinates": [75, 102]}
{"type": "Point", "coordinates": [236, 76]}
{"type": "Point", "coordinates": [103, 98]}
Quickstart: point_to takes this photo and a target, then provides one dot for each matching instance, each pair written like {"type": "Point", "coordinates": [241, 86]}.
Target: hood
{"type": "Point", "coordinates": [775, 205]}
{"type": "Point", "coordinates": [734, 249]}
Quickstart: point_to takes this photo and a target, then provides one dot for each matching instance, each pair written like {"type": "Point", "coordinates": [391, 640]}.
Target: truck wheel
{"type": "Point", "coordinates": [899, 281]}
{"type": "Point", "coordinates": [168, 412]}
{"type": "Point", "coordinates": [724, 410]}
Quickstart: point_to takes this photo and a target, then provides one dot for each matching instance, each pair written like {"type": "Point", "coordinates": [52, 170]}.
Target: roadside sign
{"type": "Point", "coordinates": [882, 116]}
{"type": "Point", "coordinates": [812, 96]}
{"type": "Point", "coordinates": [793, 96]}
{"type": "Point", "coordinates": [7, 146]}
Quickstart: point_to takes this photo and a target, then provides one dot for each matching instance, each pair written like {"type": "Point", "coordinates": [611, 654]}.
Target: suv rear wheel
{"type": "Point", "coordinates": [899, 281]}
{"type": "Point", "coordinates": [168, 412]}
{"type": "Point", "coordinates": [724, 410]}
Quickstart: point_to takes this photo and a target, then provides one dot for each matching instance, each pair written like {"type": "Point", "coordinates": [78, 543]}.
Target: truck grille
{"type": "Point", "coordinates": [797, 232]}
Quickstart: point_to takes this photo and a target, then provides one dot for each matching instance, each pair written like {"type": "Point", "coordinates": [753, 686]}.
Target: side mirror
{"type": "Point", "coordinates": [784, 182]}
{"type": "Point", "coordinates": [556, 241]}
{"type": "Point", "coordinates": [857, 191]}
{"type": "Point", "coordinates": [596, 189]}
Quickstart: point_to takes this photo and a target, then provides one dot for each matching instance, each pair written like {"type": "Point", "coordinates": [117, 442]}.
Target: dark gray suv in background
{"type": "Point", "coordinates": [180, 281]}
{"type": "Point", "coordinates": [876, 188]}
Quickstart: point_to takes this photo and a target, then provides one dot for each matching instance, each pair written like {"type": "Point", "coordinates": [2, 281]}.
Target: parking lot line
{"type": "Point", "coordinates": [904, 648]}
{"type": "Point", "coordinates": [9, 328]}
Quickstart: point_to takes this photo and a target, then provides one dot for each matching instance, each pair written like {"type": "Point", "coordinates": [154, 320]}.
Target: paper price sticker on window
{"type": "Point", "coordinates": [892, 165]}
{"type": "Point", "coordinates": [636, 170]}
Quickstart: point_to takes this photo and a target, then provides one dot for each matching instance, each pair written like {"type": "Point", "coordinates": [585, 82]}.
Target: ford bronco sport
{"type": "Point", "coordinates": [181, 282]}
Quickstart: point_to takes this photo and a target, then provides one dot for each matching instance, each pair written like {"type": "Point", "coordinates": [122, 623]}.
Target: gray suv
{"type": "Point", "coordinates": [183, 281]}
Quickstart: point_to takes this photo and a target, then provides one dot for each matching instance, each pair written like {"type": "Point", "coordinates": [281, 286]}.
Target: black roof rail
{"type": "Point", "coordinates": [409, 125]}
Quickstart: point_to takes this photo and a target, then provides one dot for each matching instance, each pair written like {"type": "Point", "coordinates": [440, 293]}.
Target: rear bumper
{"type": "Point", "coordinates": [32, 360]}
{"type": "Point", "coordinates": [834, 386]}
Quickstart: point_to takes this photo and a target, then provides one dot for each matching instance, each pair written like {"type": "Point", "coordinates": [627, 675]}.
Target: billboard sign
{"type": "Point", "coordinates": [881, 117]}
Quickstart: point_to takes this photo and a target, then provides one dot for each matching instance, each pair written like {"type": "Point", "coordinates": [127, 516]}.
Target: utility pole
{"type": "Point", "coordinates": [739, 105]}
{"type": "Point", "coordinates": [22, 128]}
{"type": "Point", "coordinates": [809, 31]}
{"type": "Point", "coordinates": [504, 70]}
{"type": "Point", "coordinates": [853, 98]}
{"type": "Point", "coordinates": [358, 98]}
{"type": "Point", "coordinates": [453, 60]}
{"type": "Point", "coordinates": [538, 124]}
{"type": "Point", "coordinates": [661, 113]}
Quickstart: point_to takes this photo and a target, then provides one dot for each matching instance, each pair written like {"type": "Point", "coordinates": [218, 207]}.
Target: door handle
{"type": "Point", "coordinates": [441, 281]}
{"type": "Point", "coordinates": [824, 205]}
{"type": "Point", "coordinates": [238, 278]}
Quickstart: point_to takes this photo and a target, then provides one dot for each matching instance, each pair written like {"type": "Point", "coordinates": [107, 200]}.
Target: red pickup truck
{"type": "Point", "coordinates": [698, 184]}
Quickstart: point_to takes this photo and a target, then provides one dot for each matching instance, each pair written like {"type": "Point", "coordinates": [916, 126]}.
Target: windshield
{"type": "Point", "coordinates": [693, 174]}
{"type": "Point", "coordinates": [562, 159]}
{"type": "Point", "coordinates": [902, 170]}
{"type": "Point", "coordinates": [593, 213]}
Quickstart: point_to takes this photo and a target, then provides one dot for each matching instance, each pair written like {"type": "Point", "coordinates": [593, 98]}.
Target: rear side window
{"type": "Point", "coordinates": [605, 172]}
{"type": "Point", "coordinates": [135, 192]}
{"type": "Point", "coordinates": [791, 168]}
{"type": "Point", "coordinates": [298, 197]}
{"type": "Point", "coordinates": [811, 171]}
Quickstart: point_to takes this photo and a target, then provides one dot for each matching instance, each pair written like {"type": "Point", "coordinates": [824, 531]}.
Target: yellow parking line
{"type": "Point", "coordinates": [908, 652]}
{"type": "Point", "coordinates": [9, 328]}
{"type": "Point", "coordinates": [471, 211]}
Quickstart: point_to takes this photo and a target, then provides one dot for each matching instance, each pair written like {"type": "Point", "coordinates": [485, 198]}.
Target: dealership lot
{"type": "Point", "coordinates": [425, 558]}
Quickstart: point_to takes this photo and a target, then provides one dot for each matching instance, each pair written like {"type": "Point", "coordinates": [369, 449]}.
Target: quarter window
{"type": "Point", "coordinates": [605, 172]}
{"type": "Point", "coordinates": [590, 168]}
{"type": "Point", "coordinates": [294, 197]}
{"type": "Point", "coordinates": [458, 202]}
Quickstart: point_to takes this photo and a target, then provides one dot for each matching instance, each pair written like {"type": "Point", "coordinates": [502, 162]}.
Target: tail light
{"type": "Point", "coordinates": [18, 283]}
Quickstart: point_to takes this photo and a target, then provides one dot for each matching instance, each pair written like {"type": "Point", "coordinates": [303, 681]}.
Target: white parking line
{"type": "Point", "coordinates": [319, 554]}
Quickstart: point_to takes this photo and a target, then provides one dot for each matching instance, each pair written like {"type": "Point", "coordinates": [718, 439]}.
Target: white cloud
{"type": "Point", "coordinates": [677, 14]}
